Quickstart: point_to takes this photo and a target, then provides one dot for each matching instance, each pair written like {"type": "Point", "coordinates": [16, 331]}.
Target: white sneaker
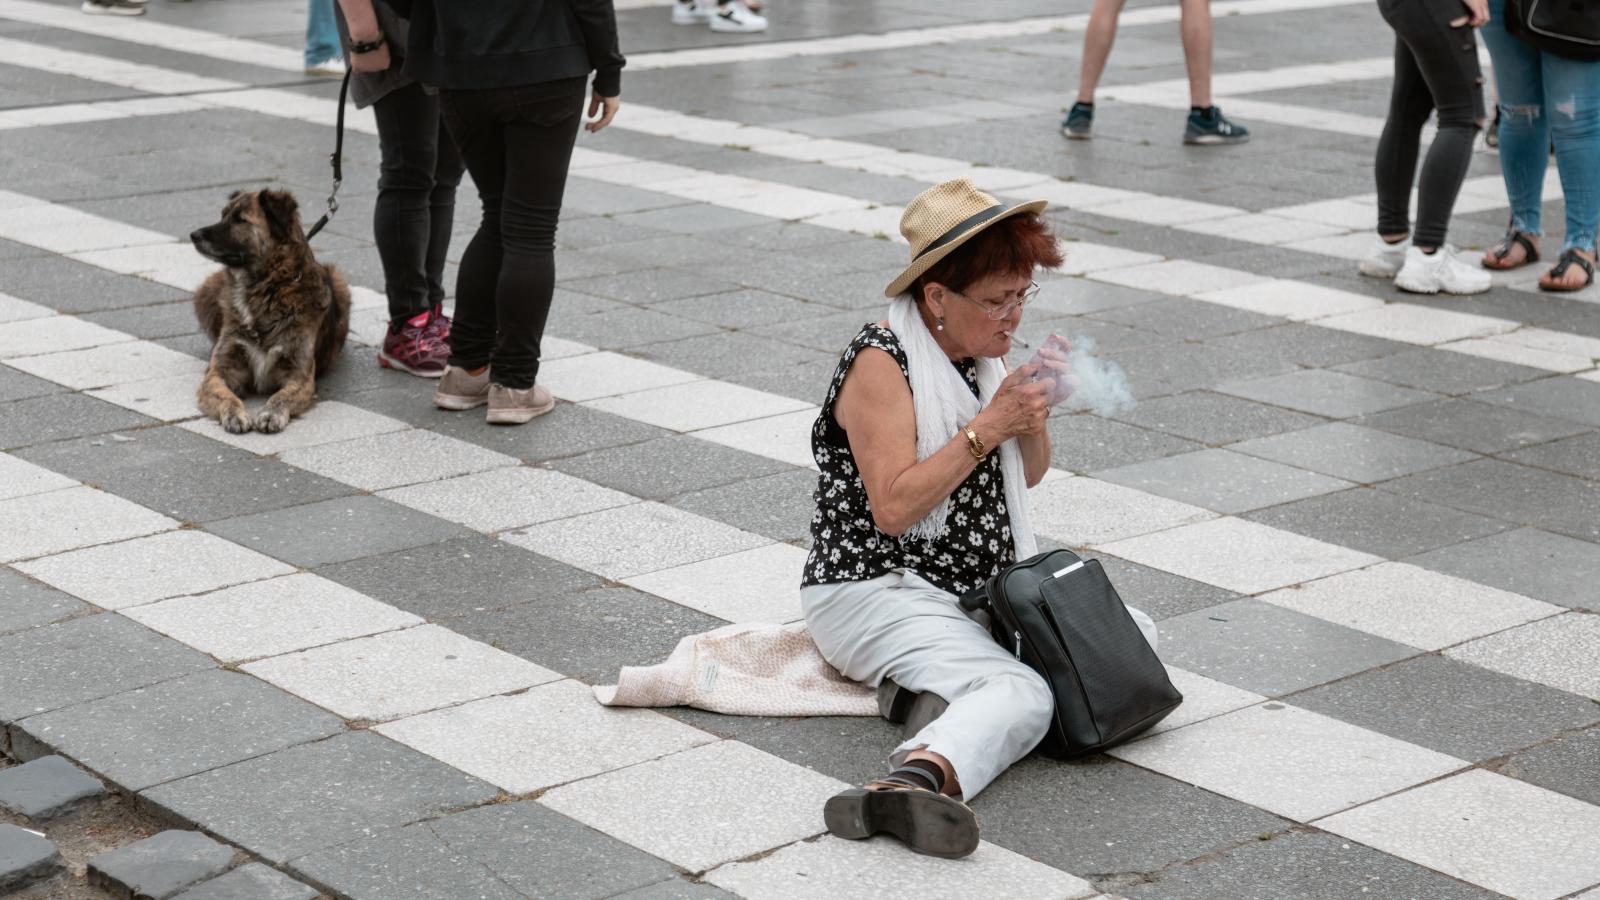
{"type": "Point", "coordinates": [1443, 271]}
{"type": "Point", "coordinates": [1385, 259]}
{"type": "Point", "coordinates": [736, 18]}
{"type": "Point", "coordinates": [333, 66]}
{"type": "Point", "coordinates": [113, 7]}
{"type": "Point", "coordinates": [691, 12]}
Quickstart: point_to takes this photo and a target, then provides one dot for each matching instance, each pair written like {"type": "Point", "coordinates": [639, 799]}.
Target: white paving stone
{"type": "Point", "coordinates": [1293, 300]}
{"type": "Point", "coordinates": [1082, 258]}
{"type": "Point", "coordinates": [399, 673]}
{"type": "Point", "coordinates": [1203, 698]}
{"type": "Point", "coordinates": [786, 438]}
{"type": "Point", "coordinates": [19, 478]}
{"type": "Point", "coordinates": [61, 229]}
{"type": "Point", "coordinates": [612, 542]}
{"type": "Point", "coordinates": [168, 564]}
{"type": "Point", "coordinates": [605, 374]}
{"type": "Point", "coordinates": [170, 399]}
{"type": "Point", "coordinates": [143, 258]}
{"type": "Point", "coordinates": [1590, 376]}
{"type": "Point", "coordinates": [328, 422]}
{"type": "Point", "coordinates": [1412, 605]}
{"type": "Point", "coordinates": [396, 458]}
{"type": "Point", "coordinates": [1178, 277]}
{"type": "Point", "coordinates": [15, 310]}
{"type": "Point", "coordinates": [1238, 555]}
{"type": "Point", "coordinates": [882, 221]}
{"type": "Point", "coordinates": [1345, 246]}
{"type": "Point", "coordinates": [1347, 214]}
{"type": "Point", "coordinates": [1506, 835]}
{"type": "Point", "coordinates": [1559, 651]}
{"type": "Point", "coordinates": [510, 497]}
{"type": "Point", "coordinates": [1516, 354]}
{"type": "Point", "coordinates": [757, 585]}
{"type": "Point", "coordinates": [54, 334]}
{"type": "Point", "coordinates": [553, 734]}
{"type": "Point", "coordinates": [265, 618]}
{"type": "Point", "coordinates": [1154, 209]}
{"type": "Point", "coordinates": [1413, 324]}
{"type": "Point", "coordinates": [1084, 512]}
{"type": "Point", "coordinates": [1554, 342]}
{"type": "Point", "coordinates": [1288, 760]}
{"type": "Point", "coordinates": [698, 404]}
{"type": "Point", "coordinates": [741, 801]}
{"type": "Point", "coordinates": [1263, 228]}
{"type": "Point", "coordinates": [120, 363]}
{"type": "Point", "coordinates": [882, 867]}
{"type": "Point", "coordinates": [66, 519]}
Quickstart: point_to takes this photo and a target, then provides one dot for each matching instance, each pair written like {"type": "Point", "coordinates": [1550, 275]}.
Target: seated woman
{"type": "Point", "coordinates": [927, 447]}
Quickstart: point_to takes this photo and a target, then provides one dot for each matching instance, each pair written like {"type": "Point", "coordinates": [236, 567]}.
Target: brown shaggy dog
{"type": "Point", "coordinates": [277, 317]}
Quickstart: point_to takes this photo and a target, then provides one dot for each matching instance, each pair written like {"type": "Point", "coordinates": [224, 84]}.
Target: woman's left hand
{"type": "Point", "coordinates": [605, 108]}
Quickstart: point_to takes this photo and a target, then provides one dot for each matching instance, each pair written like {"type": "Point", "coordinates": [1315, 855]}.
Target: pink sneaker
{"type": "Point", "coordinates": [419, 345]}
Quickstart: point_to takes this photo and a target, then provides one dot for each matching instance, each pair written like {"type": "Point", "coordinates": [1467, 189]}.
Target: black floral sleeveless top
{"type": "Point", "coordinates": [847, 546]}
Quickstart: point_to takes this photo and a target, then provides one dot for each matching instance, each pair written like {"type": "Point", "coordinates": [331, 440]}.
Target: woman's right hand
{"type": "Point", "coordinates": [374, 61]}
{"type": "Point", "coordinates": [1020, 405]}
{"type": "Point", "coordinates": [601, 111]}
{"type": "Point", "coordinates": [1479, 13]}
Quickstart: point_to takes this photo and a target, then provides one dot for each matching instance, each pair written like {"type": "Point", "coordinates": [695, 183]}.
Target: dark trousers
{"type": "Point", "coordinates": [416, 204]}
{"type": "Point", "coordinates": [1435, 68]}
{"type": "Point", "coordinates": [517, 143]}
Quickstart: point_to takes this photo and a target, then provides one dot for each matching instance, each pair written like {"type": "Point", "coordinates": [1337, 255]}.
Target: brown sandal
{"type": "Point", "coordinates": [1502, 250]}
{"type": "Point", "coordinates": [1568, 258]}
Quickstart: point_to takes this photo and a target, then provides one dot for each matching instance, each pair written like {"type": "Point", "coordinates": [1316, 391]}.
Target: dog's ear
{"type": "Point", "coordinates": [234, 196]}
{"type": "Point", "coordinates": [281, 212]}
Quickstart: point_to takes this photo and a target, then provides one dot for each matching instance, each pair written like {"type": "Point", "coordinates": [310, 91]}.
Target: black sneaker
{"type": "Point", "coordinates": [1078, 123]}
{"type": "Point", "coordinates": [1212, 127]}
{"type": "Point", "coordinates": [926, 822]}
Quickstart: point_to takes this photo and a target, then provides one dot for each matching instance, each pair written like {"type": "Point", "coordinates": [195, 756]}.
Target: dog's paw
{"type": "Point", "coordinates": [235, 421]}
{"type": "Point", "coordinates": [271, 421]}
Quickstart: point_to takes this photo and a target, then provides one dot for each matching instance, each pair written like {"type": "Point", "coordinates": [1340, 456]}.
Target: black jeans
{"type": "Point", "coordinates": [517, 143]}
{"type": "Point", "coordinates": [1435, 68]}
{"type": "Point", "coordinates": [416, 203]}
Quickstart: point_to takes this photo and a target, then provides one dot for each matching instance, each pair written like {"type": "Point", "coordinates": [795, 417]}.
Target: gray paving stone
{"type": "Point", "coordinates": [1479, 427]}
{"type": "Point", "coordinates": [692, 220]}
{"type": "Point", "coordinates": [251, 881]}
{"type": "Point", "coordinates": [852, 749]}
{"type": "Point", "coordinates": [730, 353]}
{"type": "Point", "coordinates": [513, 850]}
{"type": "Point", "coordinates": [185, 475]}
{"type": "Point", "coordinates": [629, 327]}
{"type": "Point", "coordinates": [805, 381]}
{"type": "Point", "coordinates": [744, 309]}
{"type": "Point", "coordinates": [1527, 561]}
{"type": "Point", "coordinates": [73, 287]}
{"type": "Point", "coordinates": [1441, 371]}
{"type": "Point", "coordinates": [1336, 395]}
{"type": "Point", "coordinates": [1306, 865]}
{"type": "Point", "coordinates": [47, 788]}
{"type": "Point", "coordinates": [778, 506]}
{"type": "Point", "coordinates": [335, 530]}
{"type": "Point", "coordinates": [1351, 452]}
{"type": "Point", "coordinates": [1569, 764]}
{"type": "Point", "coordinates": [1079, 296]}
{"type": "Point", "coordinates": [150, 735]}
{"type": "Point", "coordinates": [26, 857]}
{"type": "Point", "coordinates": [157, 321]}
{"type": "Point", "coordinates": [311, 796]}
{"type": "Point", "coordinates": [1547, 500]}
{"type": "Point", "coordinates": [588, 633]}
{"type": "Point", "coordinates": [1125, 819]}
{"type": "Point", "coordinates": [1578, 455]}
{"type": "Point", "coordinates": [29, 604]}
{"type": "Point", "coordinates": [668, 466]}
{"type": "Point", "coordinates": [1565, 398]}
{"type": "Point", "coordinates": [1378, 522]}
{"type": "Point", "coordinates": [1087, 443]}
{"type": "Point", "coordinates": [1269, 649]}
{"type": "Point", "coordinates": [159, 866]}
{"type": "Point", "coordinates": [58, 665]}
{"type": "Point", "coordinates": [1214, 418]}
{"type": "Point", "coordinates": [1463, 710]}
{"type": "Point", "coordinates": [39, 420]}
{"type": "Point", "coordinates": [1161, 594]}
{"type": "Point", "coordinates": [1222, 480]}
{"type": "Point", "coordinates": [677, 889]}
{"type": "Point", "coordinates": [15, 385]}
{"type": "Point", "coordinates": [460, 577]}
{"type": "Point", "coordinates": [828, 334]}
{"type": "Point", "coordinates": [1187, 319]}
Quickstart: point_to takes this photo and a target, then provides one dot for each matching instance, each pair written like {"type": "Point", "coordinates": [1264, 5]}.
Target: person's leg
{"type": "Point", "coordinates": [1524, 128]}
{"type": "Point", "coordinates": [1098, 37]}
{"type": "Point", "coordinates": [322, 33]}
{"type": "Point", "coordinates": [1395, 164]}
{"type": "Point", "coordinates": [1572, 103]}
{"type": "Point", "coordinates": [408, 127]}
{"type": "Point", "coordinates": [474, 120]}
{"type": "Point", "coordinates": [441, 209]}
{"type": "Point", "coordinates": [1195, 26]}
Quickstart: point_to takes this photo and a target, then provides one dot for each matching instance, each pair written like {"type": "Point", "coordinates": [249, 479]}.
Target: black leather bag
{"type": "Point", "coordinates": [1060, 615]}
{"type": "Point", "coordinates": [1569, 28]}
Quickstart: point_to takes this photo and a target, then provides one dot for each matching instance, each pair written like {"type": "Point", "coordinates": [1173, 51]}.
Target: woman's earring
{"type": "Point", "coordinates": [939, 323]}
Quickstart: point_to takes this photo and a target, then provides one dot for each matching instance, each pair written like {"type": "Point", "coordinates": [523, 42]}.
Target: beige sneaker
{"type": "Point", "coordinates": [511, 406]}
{"type": "Point", "coordinates": [458, 390]}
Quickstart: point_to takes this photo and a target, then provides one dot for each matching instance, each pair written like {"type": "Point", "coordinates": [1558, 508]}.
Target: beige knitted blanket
{"type": "Point", "coordinates": [744, 670]}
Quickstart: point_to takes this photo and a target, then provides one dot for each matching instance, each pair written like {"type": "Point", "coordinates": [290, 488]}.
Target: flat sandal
{"type": "Point", "coordinates": [1502, 250]}
{"type": "Point", "coordinates": [1568, 258]}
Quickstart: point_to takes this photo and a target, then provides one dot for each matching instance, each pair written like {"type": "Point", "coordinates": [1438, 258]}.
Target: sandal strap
{"type": "Point", "coordinates": [1568, 258]}
{"type": "Point", "coordinates": [1515, 238]}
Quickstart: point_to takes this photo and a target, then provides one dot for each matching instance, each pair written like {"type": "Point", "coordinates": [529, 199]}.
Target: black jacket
{"type": "Point", "coordinates": [474, 44]}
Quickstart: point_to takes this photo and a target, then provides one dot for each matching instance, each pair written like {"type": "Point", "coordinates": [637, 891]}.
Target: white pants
{"type": "Point", "coordinates": [901, 627]}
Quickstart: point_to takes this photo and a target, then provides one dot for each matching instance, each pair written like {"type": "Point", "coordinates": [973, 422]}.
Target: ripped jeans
{"type": "Point", "coordinates": [1546, 98]}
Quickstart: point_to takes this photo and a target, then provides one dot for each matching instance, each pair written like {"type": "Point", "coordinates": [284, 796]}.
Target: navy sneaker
{"type": "Point", "coordinates": [1210, 126]}
{"type": "Point", "coordinates": [1079, 122]}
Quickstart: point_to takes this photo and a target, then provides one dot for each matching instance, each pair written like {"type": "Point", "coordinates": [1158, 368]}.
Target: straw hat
{"type": "Point", "coordinates": [943, 218]}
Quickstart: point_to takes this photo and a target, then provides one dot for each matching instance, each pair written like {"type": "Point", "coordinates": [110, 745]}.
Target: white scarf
{"type": "Point", "coordinates": [944, 403]}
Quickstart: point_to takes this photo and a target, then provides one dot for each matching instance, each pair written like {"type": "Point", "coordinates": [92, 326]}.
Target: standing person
{"type": "Point", "coordinates": [324, 56]}
{"type": "Point", "coordinates": [1435, 68]}
{"type": "Point", "coordinates": [510, 76]}
{"type": "Point", "coordinates": [727, 16]}
{"type": "Point", "coordinates": [1206, 124]}
{"type": "Point", "coordinates": [1545, 99]}
{"type": "Point", "coordinates": [417, 182]}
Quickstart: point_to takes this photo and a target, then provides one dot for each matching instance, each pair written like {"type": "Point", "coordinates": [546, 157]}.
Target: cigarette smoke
{"type": "Point", "coordinates": [1101, 386]}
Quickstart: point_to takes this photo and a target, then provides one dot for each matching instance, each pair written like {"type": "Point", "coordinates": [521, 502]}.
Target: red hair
{"type": "Point", "coordinates": [1012, 246]}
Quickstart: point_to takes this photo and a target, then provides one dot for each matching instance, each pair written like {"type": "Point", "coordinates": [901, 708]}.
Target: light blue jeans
{"type": "Point", "coordinates": [1544, 97]}
{"type": "Point", "coordinates": [322, 33]}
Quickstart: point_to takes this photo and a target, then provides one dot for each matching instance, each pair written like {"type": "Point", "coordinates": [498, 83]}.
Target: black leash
{"type": "Point", "coordinates": [336, 160]}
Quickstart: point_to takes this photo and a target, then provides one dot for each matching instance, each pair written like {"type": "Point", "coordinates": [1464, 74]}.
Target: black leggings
{"type": "Point", "coordinates": [416, 203]}
{"type": "Point", "coordinates": [1435, 67]}
{"type": "Point", "coordinates": [517, 143]}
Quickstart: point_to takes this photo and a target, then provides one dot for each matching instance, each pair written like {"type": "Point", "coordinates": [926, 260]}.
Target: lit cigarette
{"type": "Point", "coordinates": [1016, 340]}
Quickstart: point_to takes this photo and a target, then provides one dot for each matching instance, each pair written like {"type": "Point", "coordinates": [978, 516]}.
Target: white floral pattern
{"type": "Point", "coordinates": [846, 543]}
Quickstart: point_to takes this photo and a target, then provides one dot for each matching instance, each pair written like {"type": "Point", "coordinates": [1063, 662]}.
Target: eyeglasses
{"type": "Point", "coordinates": [999, 309]}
